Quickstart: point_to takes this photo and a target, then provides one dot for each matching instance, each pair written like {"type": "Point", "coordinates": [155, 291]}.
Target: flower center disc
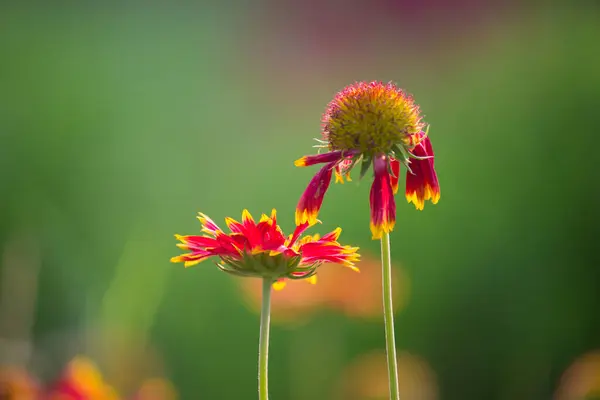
{"type": "Point", "coordinates": [371, 117]}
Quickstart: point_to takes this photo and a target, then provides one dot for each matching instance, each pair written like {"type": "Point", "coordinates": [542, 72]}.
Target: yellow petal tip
{"type": "Point", "coordinates": [301, 162]}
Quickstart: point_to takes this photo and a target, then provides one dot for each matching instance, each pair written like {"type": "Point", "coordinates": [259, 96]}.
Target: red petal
{"type": "Point", "coordinates": [423, 183]}
{"type": "Point", "coordinates": [297, 232]}
{"type": "Point", "coordinates": [208, 225]}
{"type": "Point", "coordinates": [383, 206]}
{"type": "Point", "coordinates": [271, 236]}
{"type": "Point", "coordinates": [320, 249]}
{"type": "Point", "coordinates": [312, 198]}
{"type": "Point", "coordinates": [198, 242]}
{"type": "Point", "coordinates": [332, 236]}
{"type": "Point", "coordinates": [323, 158]}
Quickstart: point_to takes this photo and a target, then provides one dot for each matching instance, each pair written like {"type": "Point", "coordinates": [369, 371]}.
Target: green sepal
{"type": "Point", "coordinates": [366, 163]}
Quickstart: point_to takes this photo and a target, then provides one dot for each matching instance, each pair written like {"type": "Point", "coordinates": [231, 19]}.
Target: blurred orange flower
{"type": "Point", "coordinates": [82, 380]}
{"type": "Point", "coordinates": [17, 384]}
{"type": "Point", "coordinates": [156, 389]}
{"type": "Point", "coordinates": [581, 379]}
{"type": "Point", "coordinates": [356, 295]}
{"type": "Point", "coordinates": [366, 378]}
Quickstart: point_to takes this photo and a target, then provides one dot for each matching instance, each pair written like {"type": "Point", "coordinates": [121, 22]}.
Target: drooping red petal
{"type": "Point", "coordinates": [383, 205]}
{"type": "Point", "coordinates": [423, 183]}
{"type": "Point", "coordinates": [312, 198]}
{"type": "Point", "coordinates": [320, 158]}
{"type": "Point", "coordinates": [395, 166]}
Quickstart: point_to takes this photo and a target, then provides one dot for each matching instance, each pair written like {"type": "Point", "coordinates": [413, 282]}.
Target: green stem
{"type": "Point", "coordinates": [388, 315]}
{"type": "Point", "coordinates": [263, 345]}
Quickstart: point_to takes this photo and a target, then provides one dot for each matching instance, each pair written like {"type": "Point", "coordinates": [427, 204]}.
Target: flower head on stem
{"type": "Point", "coordinates": [372, 124]}
{"type": "Point", "coordinates": [261, 250]}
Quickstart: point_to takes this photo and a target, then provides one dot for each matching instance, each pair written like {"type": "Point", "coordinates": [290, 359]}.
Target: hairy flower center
{"type": "Point", "coordinates": [371, 117]}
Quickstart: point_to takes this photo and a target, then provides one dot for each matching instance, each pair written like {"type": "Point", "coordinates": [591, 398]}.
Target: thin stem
{"type": "Point", "coordinates": [263, 345]}
{"type": "Point", "coordinates": [388, 315]}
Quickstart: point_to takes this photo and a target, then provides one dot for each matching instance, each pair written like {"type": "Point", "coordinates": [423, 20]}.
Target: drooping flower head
{"type": "Point", "coordinates": [372, 124]}
{"type": "Point", "coordinates": [261, 249]}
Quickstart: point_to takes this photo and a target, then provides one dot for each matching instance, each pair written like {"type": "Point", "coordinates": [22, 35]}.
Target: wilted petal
{"type": "Point", "coordinates": [312, 198]}
{"type": "Point", "coordinates": [423, 183]}
{"type": "Point", "coordinates": [383, 206]}
{"type": "Point", "coordinates": [324, 158]}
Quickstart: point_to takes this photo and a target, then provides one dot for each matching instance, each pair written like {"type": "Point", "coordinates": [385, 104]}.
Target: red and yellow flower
{"type": "Point", "coordinates": [261, 249]}
{"type": "Point", "coordinates": [372, 124]}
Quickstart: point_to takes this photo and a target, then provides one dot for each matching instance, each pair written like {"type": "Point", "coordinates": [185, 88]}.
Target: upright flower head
{"type": "Point", "coordinates": [372, 124]}
{"type": "Point", "coordinates": [261, 250]}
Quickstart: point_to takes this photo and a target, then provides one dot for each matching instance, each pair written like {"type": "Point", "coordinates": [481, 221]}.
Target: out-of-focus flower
{"type": "Point", "coordinates": [361, 298]}
{"type": "Point", "coordinates": [294, 305]}
{"type": "Point", "coordinates": [156, 389]}
{"type": "Point", "coordinates": [82, 381]}
{"type": "Point", "coordinates": [355, 295]}
{"type": "Point", "coordinates": [17, 384]}
{"type": "Point", "coordinates": [366, 378]}
{"type": "Point", "coordinates": [582, 379]}
{"type": "Point", "coordinates": [372, 124]}
{"type": "Point", "coordinates": [261, 250]}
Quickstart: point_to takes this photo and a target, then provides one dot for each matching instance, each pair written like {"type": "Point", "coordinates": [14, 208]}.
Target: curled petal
{"type": "Point", "coordinates": [332, 236]}
{"type": "Point", "coordinates": [208, 225]}
{"type": "Point", "coordinates": [383, 206]}
{"type": "Point", "coordinates": [312, 198]}
{"type": "Point", "coordinates": [423, 183]}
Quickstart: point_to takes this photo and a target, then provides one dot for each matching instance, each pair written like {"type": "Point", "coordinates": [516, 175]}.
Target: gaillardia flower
{"type": "Point", "coordinates": [372, 124]}
{"type": "Point", "coordinates": [261, 250]}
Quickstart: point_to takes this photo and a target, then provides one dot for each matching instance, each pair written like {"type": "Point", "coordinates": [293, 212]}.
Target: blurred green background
{"type": "Point", "coordinates": [119, 122]}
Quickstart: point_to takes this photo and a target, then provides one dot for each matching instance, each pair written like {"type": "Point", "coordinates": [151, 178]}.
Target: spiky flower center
{"type": "Point", "coordinates": [371, 117]}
